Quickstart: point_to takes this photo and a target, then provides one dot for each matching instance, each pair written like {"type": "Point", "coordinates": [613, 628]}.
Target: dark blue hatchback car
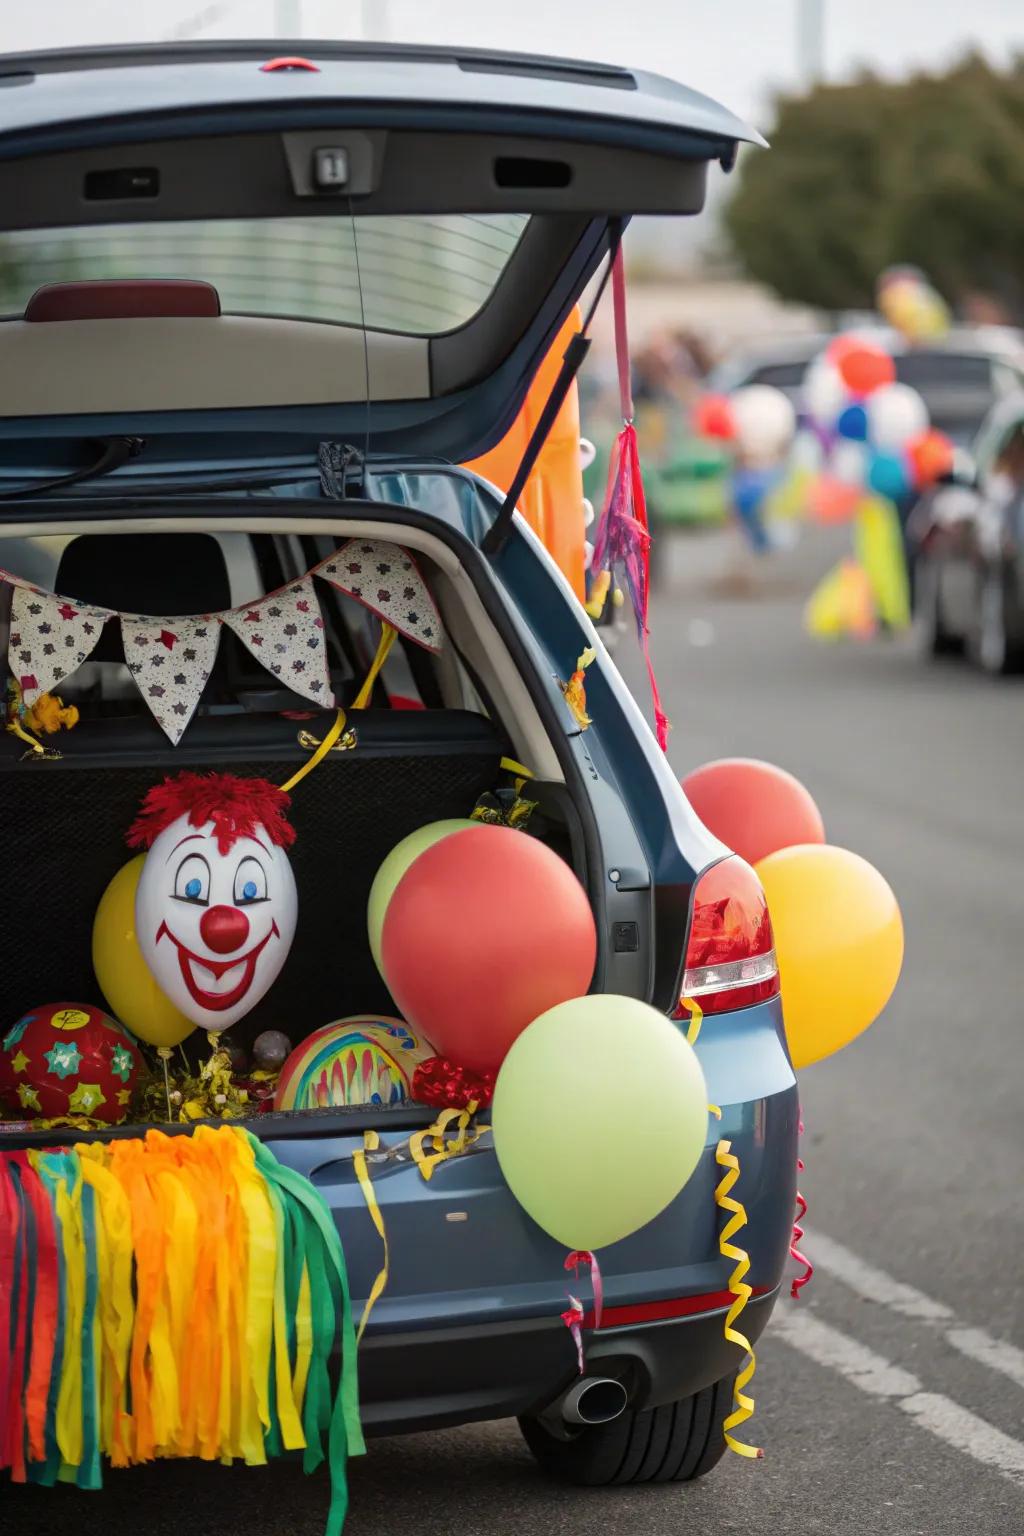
{"type": "Point", "coordinates": [254, 307]}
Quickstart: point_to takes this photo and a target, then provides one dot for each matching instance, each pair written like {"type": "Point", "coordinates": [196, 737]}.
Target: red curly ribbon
{"type": "Point", "coordinates": [794, 1252]}
{"type": "Point", "coordinates": [573, 1320]}
{"type": "Point", "coordinates": [584, 1256]}
{"type": "Point", "coordinates": [446, 1085]}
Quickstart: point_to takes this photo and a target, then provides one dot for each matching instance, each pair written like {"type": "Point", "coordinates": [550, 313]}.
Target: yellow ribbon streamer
{"type": "Point", "coordinates": [371, 1142]}
{"type": "Point", "coordinates": [456, 1121]}
{"type": "Point", "coordinates": [696, 1013]}
{"type": "Point", "coordinates": [69, 1393]}
{"type": "Point", "coordinates": [742, 1292]}
{"type": "Point", "coordinates": [388, 635]}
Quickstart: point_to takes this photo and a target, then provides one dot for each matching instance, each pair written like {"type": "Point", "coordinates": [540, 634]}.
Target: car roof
{"type": "Point", "coordinates": [997, 341]}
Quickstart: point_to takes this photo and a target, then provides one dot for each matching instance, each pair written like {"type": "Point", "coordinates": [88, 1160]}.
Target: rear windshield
{"type": "Point", "coordinates": [419, 275]}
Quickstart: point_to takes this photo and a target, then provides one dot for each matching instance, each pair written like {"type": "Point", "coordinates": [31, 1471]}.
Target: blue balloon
{"type": "Point", "coordinates": [853, 423]}
{"type": "Point", "coordinates": [888, 476]}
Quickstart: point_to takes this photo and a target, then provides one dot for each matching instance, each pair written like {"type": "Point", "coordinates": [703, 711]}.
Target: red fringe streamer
{"type": "Point", "coordinates": [446, 1085]}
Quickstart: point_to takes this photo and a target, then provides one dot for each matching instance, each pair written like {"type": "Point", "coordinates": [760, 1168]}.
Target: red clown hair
{"type": "Point", "coordinates": [235, 806]}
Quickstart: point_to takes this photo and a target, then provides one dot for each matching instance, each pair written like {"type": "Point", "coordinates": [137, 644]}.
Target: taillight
{"type": "Point", "coordinates": [730, 954]}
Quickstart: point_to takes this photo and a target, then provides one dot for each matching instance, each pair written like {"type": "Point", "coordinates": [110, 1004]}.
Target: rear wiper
{"type": "Point", "coordinates": [116, 452]}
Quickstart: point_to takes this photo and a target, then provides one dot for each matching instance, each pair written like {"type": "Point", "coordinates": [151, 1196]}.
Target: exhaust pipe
{"type": "Point", "coordinates": [593, 1400]}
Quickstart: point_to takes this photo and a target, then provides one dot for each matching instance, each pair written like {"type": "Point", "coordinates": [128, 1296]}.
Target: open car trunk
{"type": "Point", "coordinates": [430, 745]}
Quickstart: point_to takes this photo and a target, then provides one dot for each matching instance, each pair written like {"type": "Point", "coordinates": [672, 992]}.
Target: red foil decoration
{"type": "Point", "coordinates": [446, 1085]}
{"type": "Point", "coordinates": [794, 1251]}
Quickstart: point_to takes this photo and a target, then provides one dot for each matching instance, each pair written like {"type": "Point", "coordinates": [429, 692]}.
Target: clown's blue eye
{"type": "Point", "coordinates": [192, 879]}
{"type": "Point", "coordinates": [192, 888]}
{"type": "Point", "coordinates": [250, 882]}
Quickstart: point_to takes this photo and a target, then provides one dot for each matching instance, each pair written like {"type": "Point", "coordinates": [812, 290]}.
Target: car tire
{"type": "Point", "coordinates": [989, 645]}
{"type": "Point", "coordinates": [675, 1443]}
{"type": "Point", "coordinates": [933, 638]}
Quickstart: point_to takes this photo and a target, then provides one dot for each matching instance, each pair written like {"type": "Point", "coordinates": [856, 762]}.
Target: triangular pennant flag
{"type": "Point", "coordinates": [171, 661]}
{"type": "Point", "coordinates": [285, 632]}
{"type": "Point", "coordinates": [51, 637]}
{"type": "Point", "coordinates": [384, 578]}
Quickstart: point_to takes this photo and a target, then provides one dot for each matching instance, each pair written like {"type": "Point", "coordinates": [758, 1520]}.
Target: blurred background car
{"type": "Point", "coordinates": [966, 539]}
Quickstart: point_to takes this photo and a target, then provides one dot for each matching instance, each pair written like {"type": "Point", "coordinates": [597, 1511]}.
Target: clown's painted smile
{"type": "Point", "coordinates": [217, 1001]}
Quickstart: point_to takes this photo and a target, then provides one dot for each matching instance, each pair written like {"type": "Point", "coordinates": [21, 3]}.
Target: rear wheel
{"type": "Point", "coordinates": [672, 1444]}
{"type": "Point", "coordinates": [933, 638]}
{"type": "Point", "coordinates": [990, 645]}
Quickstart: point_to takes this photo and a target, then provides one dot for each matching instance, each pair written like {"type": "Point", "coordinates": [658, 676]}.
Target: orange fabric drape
{"type": "Point", "coordinates": [552, 501]}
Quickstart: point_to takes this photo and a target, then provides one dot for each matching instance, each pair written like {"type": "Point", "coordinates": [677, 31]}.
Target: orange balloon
{"type": "Point", "coordinates": [713, 417]}
{"type": "Point", "coordinates": [931, 456]}
{"type": "Point", "coordinates": [865, 368]}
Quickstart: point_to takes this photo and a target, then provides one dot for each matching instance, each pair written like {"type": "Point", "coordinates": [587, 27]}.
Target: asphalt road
{"type": "Point", "coordinates": [890, 1399]}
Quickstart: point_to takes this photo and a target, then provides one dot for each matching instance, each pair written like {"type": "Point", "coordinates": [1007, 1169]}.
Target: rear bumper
{"type": "Point", "coordinates": [430, 1380]}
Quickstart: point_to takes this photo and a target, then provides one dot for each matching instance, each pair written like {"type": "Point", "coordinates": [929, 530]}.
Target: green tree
{"type": "Point", "coordinates": [929, 170]}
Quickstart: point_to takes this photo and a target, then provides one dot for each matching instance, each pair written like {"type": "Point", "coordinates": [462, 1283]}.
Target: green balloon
{"type": "Point", "coordinates": [395, 866]}
{"type": "Point", "coordinates": [600, 1117]}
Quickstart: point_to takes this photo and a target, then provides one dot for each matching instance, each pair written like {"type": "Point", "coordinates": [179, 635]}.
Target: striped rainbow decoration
{"type": "Point", "coordinates": [366, 1059]}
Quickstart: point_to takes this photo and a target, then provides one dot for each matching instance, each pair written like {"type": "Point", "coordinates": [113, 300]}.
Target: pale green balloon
{"type": "Point", "coordinates": [600, 1117]}
{"type": "Point", "coordinates": [395, 866]}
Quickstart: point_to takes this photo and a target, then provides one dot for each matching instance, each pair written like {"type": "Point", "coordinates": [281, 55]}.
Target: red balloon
{"type": "Point", "coordinates": [930, 456]}
{"type": "Point", "coordinates": [832, 501]}
{"type": "Point", "coordinates": [841, 346]}
{"type": "Point", "coordinates": [712, 417]}
{"type": "Point", "coordinates": [865, 368]}
{"type": "Point", "coordinates": [486, 931]}
{"type": "Point", "coordinates": [753, 807]}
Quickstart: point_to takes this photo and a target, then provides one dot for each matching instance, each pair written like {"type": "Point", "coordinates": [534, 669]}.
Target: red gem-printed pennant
{"type": "Point", "coordinates": [384, 578]}
{"type": "Point", "coordinates": [171, 661]}
{"type": "Point", "coordinates": [285, 632]}
{"type": "Point", "coordinates": [50, 638]}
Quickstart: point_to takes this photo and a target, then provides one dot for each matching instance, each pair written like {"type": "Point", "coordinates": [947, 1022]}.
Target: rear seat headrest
{"type": "Point", "coordinates": [157, 573]}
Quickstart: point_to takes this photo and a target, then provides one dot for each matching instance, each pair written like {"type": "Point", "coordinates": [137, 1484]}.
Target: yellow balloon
{"type": "Point", "coordinates": [125, 979]}
{"type": "Point", "coordinates": [839, 942]}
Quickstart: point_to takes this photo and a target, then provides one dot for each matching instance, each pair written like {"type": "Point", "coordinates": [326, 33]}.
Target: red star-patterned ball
{"type": "Point", "coordinates": [68, 1059]}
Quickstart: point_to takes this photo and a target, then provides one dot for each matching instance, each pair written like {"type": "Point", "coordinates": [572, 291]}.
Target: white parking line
{"type": "Point", "coordinates": [878, 1377]}
{"type": "Point", "coordinates": [875, 1285]}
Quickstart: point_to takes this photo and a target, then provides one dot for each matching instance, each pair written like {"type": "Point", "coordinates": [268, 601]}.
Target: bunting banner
{"type": "Point", "coordinates": [285, 633]}
{"type": "Point", "coordinates": [385, 579]}
{"type": "Point", "coordinates": [171, 659]}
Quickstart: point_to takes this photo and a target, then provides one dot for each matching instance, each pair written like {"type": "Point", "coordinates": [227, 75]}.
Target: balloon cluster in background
{"type": "Point", "coordinates": [758, 424]}
{"type": "Point", "coordinates": [837, 925]}
{"type": "Point", "coordinates": [871, 433]}
{"type": "Point", "coordinates": [911, 305]}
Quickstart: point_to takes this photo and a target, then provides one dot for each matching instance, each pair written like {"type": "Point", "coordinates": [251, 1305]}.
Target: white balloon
{"type": "Point", "coordinates": [825, 394]}
{"type": "Point", "coordinates": [849, 463]}
{"type": "Point", "coordinates": [896, 413]}
{"type": "Point", "coordinates": [215, 928]}
{"type": "Point", "coordinates": [588, 554]}
{"type": "Point", "coordinates": [765, 420]}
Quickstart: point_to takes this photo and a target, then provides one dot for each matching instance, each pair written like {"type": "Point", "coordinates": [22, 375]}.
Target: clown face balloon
{"type": "Point", "coordinates": [216, 904]}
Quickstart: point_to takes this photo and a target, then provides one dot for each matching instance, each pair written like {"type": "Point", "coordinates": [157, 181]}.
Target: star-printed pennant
{"type": "Point", "coordinates": [384, 578]}
{"type": "Point", "coordinates": [285, 632]}
{"type": "Point", "coordinates": [50, 638]}
{"type": "Point", "coordinates": [171, 661]}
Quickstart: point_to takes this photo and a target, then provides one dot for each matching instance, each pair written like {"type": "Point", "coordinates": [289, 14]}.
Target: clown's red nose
{"type": "Point", "coordinates": [223, 929]}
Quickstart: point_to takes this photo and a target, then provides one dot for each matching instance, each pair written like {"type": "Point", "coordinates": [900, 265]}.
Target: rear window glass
{"type": "Point", "coordinates": [780, 375]}
{"type": "Point", "coordinates": [419, 275]}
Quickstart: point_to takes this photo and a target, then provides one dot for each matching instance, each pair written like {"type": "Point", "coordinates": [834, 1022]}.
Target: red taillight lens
{"type": "Point", "coordinates": [730, 955]}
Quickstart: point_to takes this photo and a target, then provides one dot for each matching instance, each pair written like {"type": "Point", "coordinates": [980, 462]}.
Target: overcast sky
{"type": "Point", "coordinates": [736, 50]}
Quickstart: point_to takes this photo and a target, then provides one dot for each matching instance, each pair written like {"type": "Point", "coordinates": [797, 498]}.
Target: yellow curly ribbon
{"type": "Point", "coordinates": [454, 1120]}
{"type": "Point", "coordinates": [742, 1292]}
{"type": "Point", "coordinates": [696, 1013]}
{"type": "Point", "coordinates": [388, 635]}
